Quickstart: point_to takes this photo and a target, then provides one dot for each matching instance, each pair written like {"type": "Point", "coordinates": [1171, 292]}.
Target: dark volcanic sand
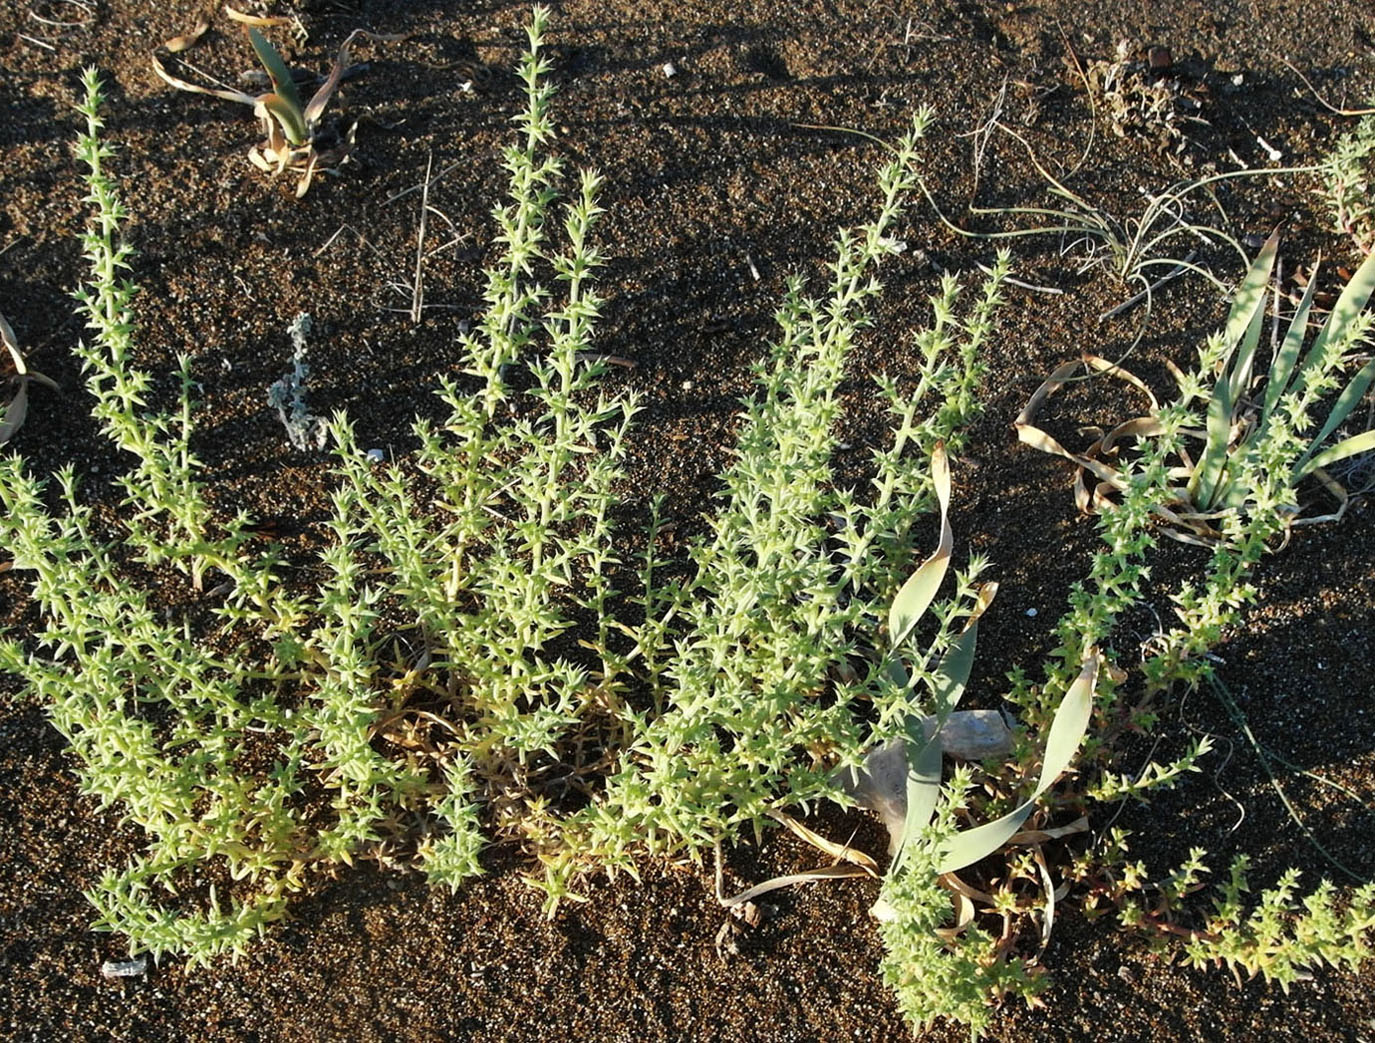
{"type": "Point", "coordinates": [709, 179]}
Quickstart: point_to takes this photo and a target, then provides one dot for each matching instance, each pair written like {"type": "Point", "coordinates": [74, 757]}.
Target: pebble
{"type": "Point", "coordinates": [125, 968]}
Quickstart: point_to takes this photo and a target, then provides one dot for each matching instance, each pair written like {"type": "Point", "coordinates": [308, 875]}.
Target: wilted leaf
{"type": "Point", "coordinates": [919, 591]}
{"type": "Point", "coordinates": [1066, 732]}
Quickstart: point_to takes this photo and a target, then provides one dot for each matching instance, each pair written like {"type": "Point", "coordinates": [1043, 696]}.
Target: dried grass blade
{"type": "Point", "coordinates": [1029, 434]}
{"type": "Point", "coordinates": [1048, 923]}
{"type": "Point", "coordinates": [254, 20]}
{"type": "Point", "coordinates": [964, 916]}
{"type": "Point", "coordinates": [1112, 369]}
{"type": "Point", "coordinates": [1024, 424]}
{"type": "Point", "coordinates": [809, 876]}
{"type": "Point", "coordinates": [195, 88]}
{"type": "Point", "coordinates": [844, 852]}
{"type": "Point", "coordinates": [1040, 836]}
{"type": "Point", "coordinates": [321, 97]}
{"type": "Point", "coordinates": [1338, 492]}
{"type": "Point", "coordinates": [1140, 427]}
{"type": "Point", "coordinates": [952, 882]}
{"type": "Point", "coordinates": [187, 40]}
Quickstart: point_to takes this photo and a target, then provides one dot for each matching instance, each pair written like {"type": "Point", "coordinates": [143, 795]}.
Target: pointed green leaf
{"type": "Point", "coordinates": [1243, 327]}
{"type": "Point", "coordinates": [919, 591]}
{"type": "Point", "coordinates": [923, 751]}
{"type": "Point", "coordinates": [1240, 375]}
{"type": "Point", "coordinates": [1282, 365]}
{"type": "Point", "coordinates": [1203, 483]}
{"type": "Point", "coordinates": [923, 782]}
{"type": "Point", "coordinates": [1250, 295]}
{"type": "Point", "coordinates": [1348, 307]}
{"type": "Point", "coordinates": [1341, 409]}
{"type": "Point", "coordinates": [1347, 447]}
{"type": "Point", "coordinates": [282, 82]}
{"type": "Point", "coordinates": [288, 119]}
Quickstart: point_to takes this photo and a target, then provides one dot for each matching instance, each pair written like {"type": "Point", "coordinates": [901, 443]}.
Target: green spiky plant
{"type": "Point", "coordinates": [1347, 173]}
{"type": "Point", "coordinates": [485, 579]}
{"type": "Point", "coordinates": [466, 663]}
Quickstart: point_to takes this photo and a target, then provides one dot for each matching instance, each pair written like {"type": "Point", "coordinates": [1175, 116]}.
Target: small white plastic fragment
{"type": "Point", "coordinates": [670, 70]}
{"type": "Point", "coordinates": [125, 968]}
{"type": "Point", "coordinates": [376, 456]}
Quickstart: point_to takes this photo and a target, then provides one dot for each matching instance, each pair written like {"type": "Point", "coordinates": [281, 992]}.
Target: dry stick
{"type": "Point", "coordinates": [1022, 285]}
{"type": "Point", "coordinates": [416, 188]}
{"type": "Point", "coordinates": [417, 290]}
{"type": "Point", "coordinates": [1173, 273]}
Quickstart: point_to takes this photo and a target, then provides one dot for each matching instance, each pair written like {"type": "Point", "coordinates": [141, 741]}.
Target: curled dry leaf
{"type": "Point", "coordinates": [254, 20]}
{"type": "Point", "coordinates": [1100, 459]}
{"type": "Point", "coordinates": [1246, 407]}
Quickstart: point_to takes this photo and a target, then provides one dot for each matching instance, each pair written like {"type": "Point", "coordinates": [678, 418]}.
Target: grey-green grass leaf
{"type": "Point", "coordinates": [916, 595]}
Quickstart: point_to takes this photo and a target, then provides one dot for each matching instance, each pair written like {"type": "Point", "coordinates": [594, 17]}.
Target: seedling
{"type": "Point", "coordinates": [296, 139]}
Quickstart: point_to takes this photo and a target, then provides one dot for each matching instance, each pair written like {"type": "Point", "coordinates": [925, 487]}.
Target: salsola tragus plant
{"type": "Point", "coordinates": [261, 735]}
{"type": "Point", "coordinates": [1348, 172]}
{"type": "Point", "coordinates": [468, 666]}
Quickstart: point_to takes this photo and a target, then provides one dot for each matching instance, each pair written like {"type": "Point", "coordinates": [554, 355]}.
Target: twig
{"type": "Point", "coordinates": [1023, 285]}
{"type": "Point", "coordinates": [416, 188]}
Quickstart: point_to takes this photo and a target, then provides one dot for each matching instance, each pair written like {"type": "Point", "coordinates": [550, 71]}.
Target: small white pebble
{"type": "Point", "coordinates": [376, 456]}
{"type": "Point", "coordinates": [687, 385]}
{"type": "Point", "coordinates": [1031, 612]}
{"type": "Point", "coordinates": [670, 70]}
